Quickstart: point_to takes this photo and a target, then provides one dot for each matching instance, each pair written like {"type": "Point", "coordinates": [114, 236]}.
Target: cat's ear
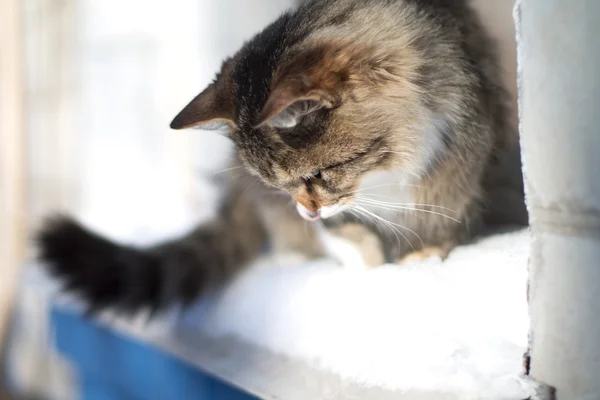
{"type": "Point", "coordinates": [212, 109]}
{"type": "Point", "coordinates": [310, 81]}
{"type": "Point", "coordinates": [293, 99]}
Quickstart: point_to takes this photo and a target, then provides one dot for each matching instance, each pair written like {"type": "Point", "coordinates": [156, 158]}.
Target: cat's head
{"type": "Point", "coordinates": [315, 114]}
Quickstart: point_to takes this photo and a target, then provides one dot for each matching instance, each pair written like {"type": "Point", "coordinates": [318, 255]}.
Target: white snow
{"type": "Point", "coordinates": [460, 325]}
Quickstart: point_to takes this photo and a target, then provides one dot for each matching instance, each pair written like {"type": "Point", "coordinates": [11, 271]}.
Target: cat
{"type": "Point", "coordinates": [384, 123]}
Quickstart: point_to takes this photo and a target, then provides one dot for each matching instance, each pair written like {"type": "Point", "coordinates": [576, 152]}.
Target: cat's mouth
{"type": "Point", "coordinates": [321, 213]}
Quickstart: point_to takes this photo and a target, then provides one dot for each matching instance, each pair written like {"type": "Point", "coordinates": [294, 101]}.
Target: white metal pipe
{"type": "Point", "coordinates": [559, 64]}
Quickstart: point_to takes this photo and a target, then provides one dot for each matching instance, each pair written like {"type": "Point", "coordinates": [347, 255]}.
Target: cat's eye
{"type": "Point", "coordinates": [316, 173]}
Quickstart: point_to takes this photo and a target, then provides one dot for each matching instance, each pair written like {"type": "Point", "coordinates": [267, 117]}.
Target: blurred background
{"type": "Point", "coordinates": [87, 91]}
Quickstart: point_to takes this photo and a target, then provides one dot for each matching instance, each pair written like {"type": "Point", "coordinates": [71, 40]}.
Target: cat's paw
{"type": "Point", "coordinates": [426, 253]}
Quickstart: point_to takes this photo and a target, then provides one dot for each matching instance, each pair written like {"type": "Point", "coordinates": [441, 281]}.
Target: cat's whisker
{"type": "Point", "coordinates": [392, 225]}
{"type": "Point", "coordinates": [249, 186]}
{"type": "Point", "coordinates": [386, 185]}
{"type": "Point", "coordinates": [405, 209]}
{"type": "Point", "coordinates": [359, 216]}
{"type": "Point", "coordinates": [407, 204]}
{"type": "Point", "coordinates": [399, 209]}
{"type": "Point", "coordinates": [276, 192]}
{"type": "Point", "coordinates": [378, 223]}
{"type": "Point", "coordinates": [227, 170]}
{"type": "Point", "coordinates": [365, 202]}
{"type": "Point", "coordinates": [398, 225]}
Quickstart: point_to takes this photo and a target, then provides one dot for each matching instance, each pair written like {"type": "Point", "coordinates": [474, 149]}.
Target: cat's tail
{"type": "Point", "coordinates": [108, 275]}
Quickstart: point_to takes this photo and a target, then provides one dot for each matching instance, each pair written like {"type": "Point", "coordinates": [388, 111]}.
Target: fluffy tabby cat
{"type": "Point", "coordinates": [386, 123]}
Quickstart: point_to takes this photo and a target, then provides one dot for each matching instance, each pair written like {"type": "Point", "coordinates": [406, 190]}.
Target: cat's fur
{"type": "Point", "coordinates": [387, 118]}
